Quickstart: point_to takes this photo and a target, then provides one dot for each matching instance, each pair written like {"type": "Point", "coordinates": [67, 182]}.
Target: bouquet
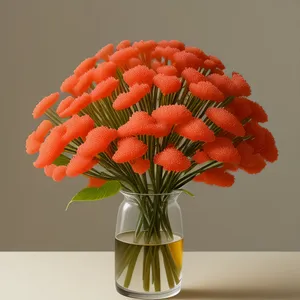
{"type": "Point", "coordinates": [147, 118]}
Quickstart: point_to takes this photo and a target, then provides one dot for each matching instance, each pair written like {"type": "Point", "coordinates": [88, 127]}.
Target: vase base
{"type": "Point", "coordinates": [148, 295]}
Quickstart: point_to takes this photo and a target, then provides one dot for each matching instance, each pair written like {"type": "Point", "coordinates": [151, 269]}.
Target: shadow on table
{"type": "Point", "coordinates": [238, 293]}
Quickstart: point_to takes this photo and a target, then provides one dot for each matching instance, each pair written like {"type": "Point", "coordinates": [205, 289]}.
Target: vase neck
{"type": "Point", "coordinates": [165, 197]}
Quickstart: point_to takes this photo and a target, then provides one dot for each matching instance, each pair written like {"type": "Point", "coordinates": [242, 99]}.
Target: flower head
{"type": "Point", "coordinates": [140, 165]}
{"type": "Point", "coordinates": [195, 130]}
{"type": "Point", "coordinates": [44, 105]}
{"type": "Point", "coordinates": [171, 159]}
{"type": "Point", "coordinates": [209, 64]}
{"type": "Point", "coordinates": [104, 71]}
{"type": "Point", "coordinates": [32, 144]}
{"type": "Point", "coordinates": [133, 62]}
{"type": "Point", "coordinates": [139, 74]}
{"type": "Point", "coordinates": [172, 114]}
{"type": "Point", "coordinates": [77, 127]}
{"type": "Point", "coordinates": [167, 70]}
{"type": "Point", "coordinates": [84, 82]}
{"type": "Point", "coordinates": [167, 84]}
{"type": "Point", "coordinates": [241, 108]}
{"type": "Point", "coordinates": [135, 94]}
{"type": "Point", "coordinates": [200, 157]}
{"type": "Point", "coordinates": [48, 170]}
{"type": "Point", "coordinates": [129, 149]}
{"type": "Point", "coordinates": [63, 105]}
{"type": "Point", "coordinates": [196, 51]}
{"type": "Point", "coordinates": [166, 52]}
{"type": "Point", "coordinates": [105, 52]}
{"type": "Point", "coordinates": [217, 177]}
{"type": "Point", "coordinates": [193, 76]}
{"type": "Point", "coordinates": [104, 89]}
{"type": "Point", "coordinates": [222, 150]}
{"type": "Point", "coordinates": [43, 129]}
{"type": "Point", "coordinates": [79, 165]}
{"type": "Point", "coordinates": [218, 62]}
{"type": "Point", "coordinates": [223, 83]}
{"type": "Point", "coordinates": [97, 140]}
{"type": "Point", "coordinates": [85, 66]}
{"type": "Point", "coordinates": [141, 123]}
{"type": "Point", "coordinates": [123, 44]}
{"type": "Point", "coordinates": [122, 56]}
{"type": "Point", "coordinates": [242, 86]}
{"type": "Point", "coordinates": [52, 147]}
{"type": "Point", "coordinates": [145, 46]}
{"type": "Point", "coordinates": [227, 121]}
{"type": "Point", "coordinates": [59, 173]}
{"type": "Point", "coordinates": [77, 105]}
{"type": "Point", "coordinates": [69, 83]}
{"type": "Point", "coordinates": [185, 59]}
{"type": "Point", "coordinates": [172, 43]}
{"type": "Point", "coordinates": [206, 91]}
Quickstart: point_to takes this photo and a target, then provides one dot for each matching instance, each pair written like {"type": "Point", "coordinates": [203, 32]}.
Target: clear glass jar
{"type": "Point", "coordinates": [149, 246]}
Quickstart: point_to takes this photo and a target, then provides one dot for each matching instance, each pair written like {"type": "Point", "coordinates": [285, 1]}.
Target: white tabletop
{"type": "Point", "coordinates": [206, 275]}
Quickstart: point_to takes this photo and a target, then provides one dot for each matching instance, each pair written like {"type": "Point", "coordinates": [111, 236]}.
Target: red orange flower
{"type": "Point", "coordinates": [193, 76]}
{"type": "Point", "coordinates": [139, 74]}
{"type": "Point", "coordinates": [44, 105]}
{"type": "Point", "coordinates": [167, 84]}
{"type": "Point", "coordinates": [97, 140]}
{"type": "Point", "coordinates": [223, 83]}
{"type": "Point", "coordinates": [105, 52]}
{"type": "Point", "coordinates": [141, 123]}
{"type": "Point", "coordinates": [43, 129]}
{"type": "Point", "coordinates": [196, 51]}
{"type": "Point", "coordinates": [206, 91]}
{"type": "Point", "coordinates": [217, 177]}
{"type": "Point", "coordinates": [104, 89]}
{"type": "Point", "coordinates": [172, 114]}
{"type": "Point", "coordinates": [200, 157]}
{"type": "Point", "coordinates": [69, 83]}
{"type": "Point", "coordinates": [63, 105]}
{"type": "Point", "coordinates": [51, 148]}
{"type": "Point", "coordinates": [84, 66]}
{"type": "Point", "coordinates": [222, 150]}
{"type": "Point", "coordinates": [167, 70]}
{"type": "Point", "coordinates": [59, 173]}
{"type": "Point", "coordinates": [242, 87]}
{"type": "Point", "coordinates": [123, 44]}
{"type": "Point", "coordinates": [224, 119]}
{"type": "Point", "coordinates": [129, 149]}
{"type": "Point", "coordinates": [171, 159]}
{"type": "Point", "coordinates": [185, 59]}
{"type": "Point", "coordinates": [122, 56]}
{"type": "Point", "coordinates": [79, 165]}
{"type": "Point", "coordinates": [77, 127]}
{"type": "Point", "coordinates": [104, 71]}
{"type": "Point", "coordinates": [32, 144]}
{"type": "Point", "coordinates": [195, 130]}
{"type": "Point", "coordinates": [135, 94]}
{"type": "Point", "coordinates": [140, 165]}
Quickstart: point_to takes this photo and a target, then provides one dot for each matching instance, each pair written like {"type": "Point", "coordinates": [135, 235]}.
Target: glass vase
{"type": "Point", "coordinates": [149, 246]}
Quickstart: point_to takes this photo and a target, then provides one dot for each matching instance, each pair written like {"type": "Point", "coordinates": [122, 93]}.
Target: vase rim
{"type": "Point", "coordinates": [125, 193]}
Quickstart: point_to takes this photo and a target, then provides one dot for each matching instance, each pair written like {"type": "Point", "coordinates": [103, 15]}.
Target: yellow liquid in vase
{"type": "Point", "coordinates": [148, 267]}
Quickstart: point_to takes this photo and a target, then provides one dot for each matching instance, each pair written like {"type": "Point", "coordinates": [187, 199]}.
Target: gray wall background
{"type": "Point", "coordinates": [42, 41]}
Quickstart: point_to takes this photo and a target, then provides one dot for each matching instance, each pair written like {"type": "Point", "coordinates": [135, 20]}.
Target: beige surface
{"type": "Point", "coordinates": [41, 43]}
{"type": "Point", "coordinates": [89, 275]}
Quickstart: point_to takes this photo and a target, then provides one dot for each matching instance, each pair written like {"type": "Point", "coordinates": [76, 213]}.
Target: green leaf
{"type": "Point", "coordinates": [108, 189]}
{"type": "Point", "coordinates": [187, 192]}
{"type": "Point", "coordinates": [62, 160]}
